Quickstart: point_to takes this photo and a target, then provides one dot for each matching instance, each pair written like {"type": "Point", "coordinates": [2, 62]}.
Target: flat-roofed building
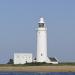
{"type": "Point", "coordinates": [22, 58]}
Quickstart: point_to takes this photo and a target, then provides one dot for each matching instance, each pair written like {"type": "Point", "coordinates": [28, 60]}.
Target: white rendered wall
{"type": "Point", "coordinates": [22, 58]}
{"type": "Point", "coordinates": [41, 45]}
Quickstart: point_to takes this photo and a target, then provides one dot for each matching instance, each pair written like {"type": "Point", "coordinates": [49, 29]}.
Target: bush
{"type": "Point", "coordinates": [10, 61]}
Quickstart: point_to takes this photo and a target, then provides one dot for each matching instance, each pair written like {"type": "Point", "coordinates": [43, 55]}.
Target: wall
{"type": "Point", "coordinates": [22, 58]}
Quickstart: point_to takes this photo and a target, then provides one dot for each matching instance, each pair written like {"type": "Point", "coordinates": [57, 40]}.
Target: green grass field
{"type": "Point", "coordinates": [41, 64]}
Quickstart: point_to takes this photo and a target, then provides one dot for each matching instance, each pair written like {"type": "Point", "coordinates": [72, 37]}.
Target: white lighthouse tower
{"type": "Point", "coordinates": [41, 41]}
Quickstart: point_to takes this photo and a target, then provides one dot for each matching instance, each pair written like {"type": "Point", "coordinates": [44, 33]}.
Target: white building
{"type": "Point", "coordinates": [22, 58]}
{"type": "Point", "coordinates": [42, 43]}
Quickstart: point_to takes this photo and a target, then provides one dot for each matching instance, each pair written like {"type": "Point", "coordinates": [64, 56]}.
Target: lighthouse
{"type": "Point", "coordinates": [23, 58]}
{"type": "Point", "coordinates": [42, 41]}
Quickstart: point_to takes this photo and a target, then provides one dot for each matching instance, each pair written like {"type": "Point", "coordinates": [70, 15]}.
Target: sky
{"type": "Point", "coordinates": [19, 21]}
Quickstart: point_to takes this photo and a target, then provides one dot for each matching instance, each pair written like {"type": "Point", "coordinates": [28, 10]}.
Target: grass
{"type": "Point", "coordinates": [39, 64]}
{"type": "Point", "coordinates": [39, 67]}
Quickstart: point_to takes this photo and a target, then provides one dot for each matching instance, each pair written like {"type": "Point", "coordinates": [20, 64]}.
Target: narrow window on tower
{"type": "Point", "coordinates": [41, 54]}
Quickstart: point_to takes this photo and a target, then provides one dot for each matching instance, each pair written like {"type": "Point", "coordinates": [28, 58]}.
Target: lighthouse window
{"type": "Point", "coordinates": [41, 54]}
{"type": "Point", "coordinates": [41, 24]}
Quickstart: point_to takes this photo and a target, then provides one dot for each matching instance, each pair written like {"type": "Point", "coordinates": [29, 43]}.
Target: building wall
{"type": "Point", "coordinates": [41, 45]}
{"type": "Point", "coordinates": [22, 58]}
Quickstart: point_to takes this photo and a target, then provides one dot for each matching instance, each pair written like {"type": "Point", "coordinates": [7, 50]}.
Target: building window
{"type": "Point", "coordinates": [41, 25]}
{"type": "Point", "coordinates": [41, 54]}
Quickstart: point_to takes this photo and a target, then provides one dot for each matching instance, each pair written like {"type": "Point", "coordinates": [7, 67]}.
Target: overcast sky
{"type": "Point", "coordinates": [19, 20]}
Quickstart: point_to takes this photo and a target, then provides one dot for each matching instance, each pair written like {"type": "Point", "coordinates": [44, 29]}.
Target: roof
{"type": "Point", "coordinates": [53, 59]}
